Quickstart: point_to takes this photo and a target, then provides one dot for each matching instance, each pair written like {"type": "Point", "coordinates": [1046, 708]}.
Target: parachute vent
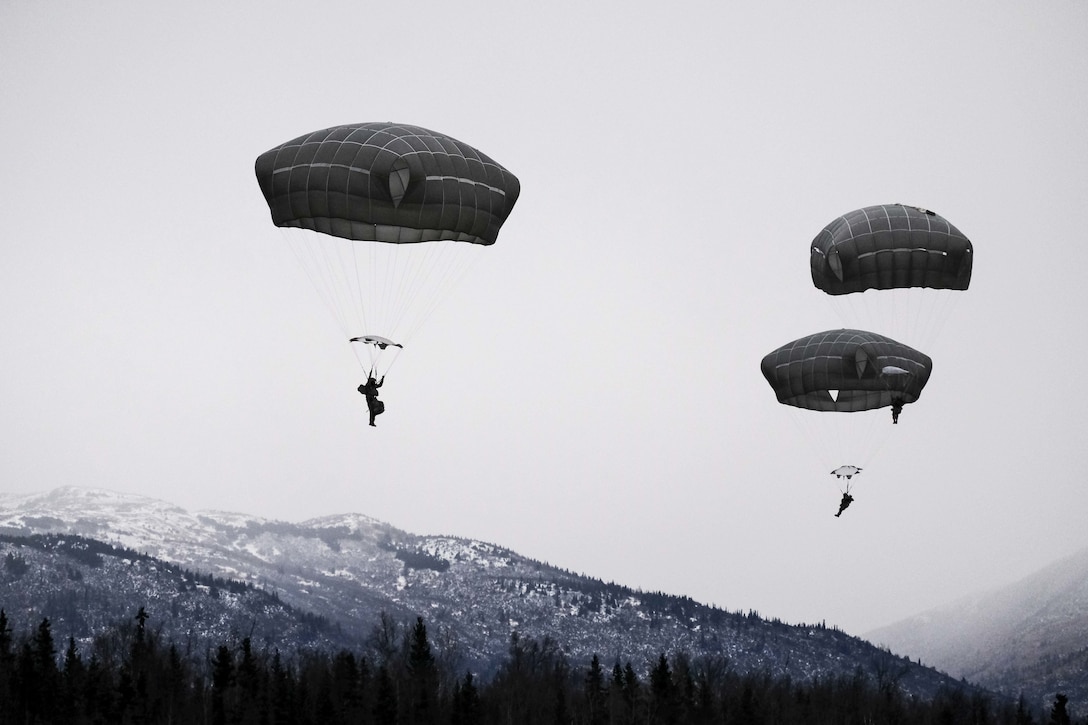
{"type": "Point", "coordinates": [399, 176]}
{"type": "Point", "coordinates": [861, 361]}
{"type": "Point", "coordinates": [835, 263]}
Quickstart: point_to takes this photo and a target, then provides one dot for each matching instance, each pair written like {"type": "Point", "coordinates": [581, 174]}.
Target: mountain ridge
{"type": "Point", "coordinates": [350, 569]}
{"type": "Point", "coordinates": [1032, 633]}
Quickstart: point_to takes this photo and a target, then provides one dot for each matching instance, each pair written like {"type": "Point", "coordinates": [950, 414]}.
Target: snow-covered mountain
{"type": "Point", "coordinates": [1030, 636]}
{"type": "Point", "coordinates": [348, 570]}
{"type": "Point", "coordinates": [87, 589]}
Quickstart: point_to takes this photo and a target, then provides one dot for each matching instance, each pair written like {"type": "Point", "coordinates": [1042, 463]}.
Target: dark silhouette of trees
{"type": "Point", "coordinates": [595, 692]}
{"type": "Point", "coordinates": [1058, 713]}
{"type": "Point", "coordinates": [222, 685]}
{"type": "Point", "coordinates": [662, 706]}
{"type": "Point", "coordinates": [130, 677]}
{"type": "Point", "coordinates": [385, 701]}
{"type": "Point", "coordinates": [466, 703]}
{"type": "Point", "coordinates": [422, 692]}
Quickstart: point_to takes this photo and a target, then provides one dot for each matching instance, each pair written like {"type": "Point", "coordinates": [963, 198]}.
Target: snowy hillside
{"type": "Point", "coordinates": [1031, 636]}
{"type": "Point", "coordinates": [349, 569]}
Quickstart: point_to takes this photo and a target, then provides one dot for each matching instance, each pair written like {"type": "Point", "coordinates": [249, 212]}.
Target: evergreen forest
{"type": "Point", "coordinates": [130, 676]}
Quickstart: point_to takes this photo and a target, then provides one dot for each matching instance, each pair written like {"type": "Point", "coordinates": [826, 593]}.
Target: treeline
{"type": "Point", "coordinates": [131, 676]}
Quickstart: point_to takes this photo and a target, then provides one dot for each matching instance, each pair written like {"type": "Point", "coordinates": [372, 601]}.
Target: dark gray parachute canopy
{"type": "Point", "coordinates": [887, 247]}
{"type": "Point", "coordinates": [846, 371]}
{"type": "Point", "coordinates": [387, 182]}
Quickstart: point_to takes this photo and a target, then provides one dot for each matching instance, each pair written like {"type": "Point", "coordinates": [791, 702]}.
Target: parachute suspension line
{"type": "Point", "coordinates": [402, 285]}
{"type": "Point", "coordinates": [823, 442]}
{"type": "Point", "coordinates": [944, 307]}
{"type": "Point", "coordinates": [359, 302]}
{"type": "Point", "coordinates": [367, 300]}
{"type": "Point", "coordinates": [913, 316]}
{"type": "Point", "coordinates": [327, 275]}
{"type": "Point", "coordinates": [877, 433]}
{"type": "Point", "coordinates": [838, 438]}
{"type": "Point", "coordinates": [807, 433]}
{"type": "Point", "coordinates": [434, 269]}
{"type": "Point", "coordinates": [334, 267]}
{"type": "Point", "coordinates": [879, 430]}
{"type": "Point", "coordinates": [405, 281]}
{"type": "Point", "coordinates": [368, 361]}
{"type": "Point", "coordinates": [330, 254]}
{"type": "Point", "coordinates": [455, 260]}
{"type": "Point", "coordinates": [396, 287]}
{"type": "Point", "coordinates": [381, 257]}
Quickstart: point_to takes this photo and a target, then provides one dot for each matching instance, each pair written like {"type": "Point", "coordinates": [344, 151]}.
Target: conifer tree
{"type": "Point", "coordinates": [466, 703]}
{"type": "Point", "coordinates": [385, 703]}
{"type": "Point", "coordinates": [282, 693]}
{"type": "Point", "coordinates": [135, 699]}
{"type": "Point", "coordinates": [632, 689]}
{"type": "Point", "coordinates": [1023, 716]}
{"type": "Point", "coordinates": [72, 683]}
{"type": "Point", "coordinates": [346, 688]}
{"type": "Point", "coordinates": [661, 693]}
{"type": "Point", "coordinates": [618, 707]}
{"type": "Point", "coordinates": [595, 692]}
{"type": "Point", "coordinates": [177, 686]}
{"type": "Point", "coordinates": [384, 639]}
{"type": "Point", "coordinates": [423, 677]}
{"type": "Point", "coordinates": [5, 638]}
{"type": "Point", "coordinates": [98, 693]}
{"type": "Point", "coordinates": [45, 678]}
{"type": "Point", "coordinates": [1058, 712]}
{"type": "Point", "coordinates": [248, 679]}
{"type": "Point", "coordinates": [7, 670]}
{"type": "Point", "coordinates": [222, 680]}
{"type": "Point", "coordinates": [684, 690]}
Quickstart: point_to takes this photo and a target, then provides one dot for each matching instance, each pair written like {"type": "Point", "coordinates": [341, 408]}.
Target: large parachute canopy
{"type": "Point", "coordinates": [384, 218]}
{"type": "Point", "coordinates": [846, 371]}
{"type": "Point", "coordinates": [892, 267]}
{"type": "Point", "coordinates": [387, 182]}
{"type": "Point", "coordinates": [890, 246]}
{"type": "Point", "coordinates": [819, 376]}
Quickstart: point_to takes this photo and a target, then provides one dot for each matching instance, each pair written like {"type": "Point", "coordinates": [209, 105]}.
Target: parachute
{"type": "Point", "coordinates": [846, 371]}
{"type": "Point", "coordinates": [821, 377]}
{"type": "Point", "coordinates": [892, 267]}
{"type": "Point", "coordinates": [384, 218]}
{"type": "Point", "coordinates": [890, 246]}
{"type": "Point", "coordinates": [377, 340]}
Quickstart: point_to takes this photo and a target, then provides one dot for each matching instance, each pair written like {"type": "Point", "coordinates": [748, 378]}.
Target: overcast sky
{"type": "Point", "coordinates": [590, 394]}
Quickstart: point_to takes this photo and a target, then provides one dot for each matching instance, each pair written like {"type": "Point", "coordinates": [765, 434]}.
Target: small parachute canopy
{"type": "Point", "coordinates": [846, 472]}
{"type": "Point", "coordinates": [846, 371]}
{"type": "Point", "coordinates": [376, 340]}
{"type": "Point", "coordinates": [387, 182]}
{"type": "Point", "coordinates": [887, 247]}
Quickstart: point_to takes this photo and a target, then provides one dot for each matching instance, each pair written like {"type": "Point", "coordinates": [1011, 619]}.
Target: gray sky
{"type": "Point", "coordinates": [590, 394]}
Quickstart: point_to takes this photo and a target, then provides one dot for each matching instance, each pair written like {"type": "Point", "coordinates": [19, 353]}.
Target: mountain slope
{"type": "Point", "coordinates": [86, 587]}
{"type": "Point", "coordinates": [349, 569]}
{"type": "Point", "coordinates": [1030, 636]}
